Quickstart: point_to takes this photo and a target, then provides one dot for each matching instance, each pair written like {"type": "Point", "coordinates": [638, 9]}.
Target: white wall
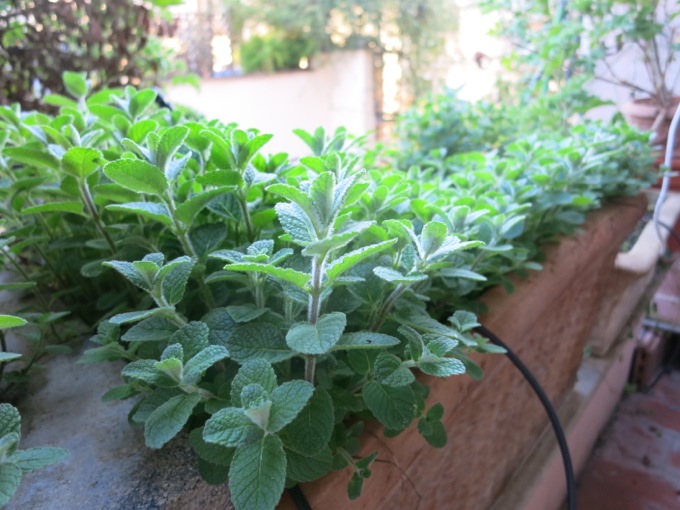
{"type": "Point", "coordinates": [337, 92]}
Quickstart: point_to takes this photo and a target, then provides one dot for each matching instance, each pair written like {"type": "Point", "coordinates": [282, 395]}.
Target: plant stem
{"type": "Point", "coordinates": [94, 213]}
{"type": "Point", "coordinates": [182, 234]}
{"type": "Point", "coordinates": [314, 310]}
{"type": "Point", "coordinates": [387, 306]}
{"type": "Point", "coordinates": [245, 212]}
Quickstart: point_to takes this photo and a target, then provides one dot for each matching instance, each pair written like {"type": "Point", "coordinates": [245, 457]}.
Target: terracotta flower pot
{"type": "Point", "coordinates": [643, 114]}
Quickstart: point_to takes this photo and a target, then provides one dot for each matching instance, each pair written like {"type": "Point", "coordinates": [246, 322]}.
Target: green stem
{"type": "Point", "coordinates": [314, 310]}
{"type": "Point", "coordinates": [183, 235]}
{"type": "Point", "coordinates": [94, 213]}
{"type": "Point", "coordinates": [245, 212]}
{"type": "Point", "coordinates": [387, 306]}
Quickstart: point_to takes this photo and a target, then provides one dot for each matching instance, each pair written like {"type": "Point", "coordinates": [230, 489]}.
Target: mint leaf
{"type": "Point", "coordinates": [170, 142]}
{"type": "Point", "coordinates": [306, 468]}
{"type": "Point", "coordinates": [193, 338]}
{"type": "Point", "coordinates": [167, 420]}
{"type": "Point", "coordinates": [297, 278]}
{"type": "Point", "coordinates": [174, 278]}
{"type": "Point", "coordinates": [67, 207]}
{"type": "Point", "coordinates": [10, 420]}
{"type": "Point", "coordinates": [231, 427]}
{"type": "Point", "coordinates": [351, 259]}
{"type": "Point", "coordinates": [188, 211]}
{"type": "Point", "coordinates": [36, 458]}
{"type": "Point", "coordinates": [311, 430]}
{"type": "Point", "coordinates": [81, 162]}
{"type": "Point", "coordinates": [153, 329]}
{"type": "Point", "coordinates": [258, 340]}
{"type": "Point", "coordinates": [365, 340]}
{"type": "Point", "coordinates": [129, 271]}
{"type": "Point", "coordinates": [150, 210]}
{"type": "Point", "coordinates": [246, 313]}
{"type": "Point", "coordinates": [389, 370]}
{"type": "Point", "coordinates": [220, 324]}
{"type": "Point", "coordinates": [127, 317]}
{"type": "Point", "coordinates": [441, 367]}
{"type": "Point", "coordinates": [137, 175]}
{"type": "Point", "coordinates": [10, 476]}
{"type": "Point", "coordinates": [393, 407]}
{"type": "Point", "coordinates": [287, 402]}
{"type": "Point", "coordinates": [76, 84]}
{"type": "Point", "coordinates": [197, 365]}
{"type": "Point", "coordinates": [317, 338]}
{"type": "Point", "coordinates": [210, 452]}
{"type": "Point", "coordinates": [394, 276]}
{"type": "Point", "coordinates": [255, 371]}
{"type": "Point", "coordinates": [11, 321]}
{"type": "Point", "coordinates": [258, 474]}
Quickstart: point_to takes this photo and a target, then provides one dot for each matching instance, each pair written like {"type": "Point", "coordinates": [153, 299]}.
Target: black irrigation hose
{"type": "Point", "coordinates": [554, 420]}
{"type": "Point", "coordinates": [299, 498]}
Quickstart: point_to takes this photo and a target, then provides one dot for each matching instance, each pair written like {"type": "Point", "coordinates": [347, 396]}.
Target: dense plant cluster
{"type": "Point", "coordinates": [271, 306]}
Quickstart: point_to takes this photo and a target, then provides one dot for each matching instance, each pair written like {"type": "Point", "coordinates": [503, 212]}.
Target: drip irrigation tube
{"type": "Point", "coordinates": [550, 410]}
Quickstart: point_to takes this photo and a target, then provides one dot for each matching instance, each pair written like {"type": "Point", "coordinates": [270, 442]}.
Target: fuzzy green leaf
{"type": "Point", "coordinates": [170, 142]}
{"type": "Point", "coordinates": [258, 340]}
{"type": "Point", "coordinates": [365, 340]}
{"type": "Point", "coordinates": [306, 468]}
{"type": "Point", "coordinates": [76, 84]}
{"type": "Point", "coordinates": [287, 402]}
{"type": "Point", "coordinates": [36, 458]}
{"type": "Point", "coordinates": [351, 259]}
{"type": "Point", "coordinates": [10, 420]}
{"type": "Point", "coordinates": [395, 408]}
{"type": "Point", "coordinates": [317, 338]}
{"type": "Point", "coordinates": [11, 321]}
{"type": "Point", "coordinates": [167, 420]}
{"type": "Point", "coordinates": [258, 474]}
{"type": "Point", "coordinates": [197, 365]}
{"type": "Point", "coordinates": [193, 337]}
{"type": "Point", "coordinates": [153, 329]}
{"type": "Point", "coordinates": [390, 371]}
{"type": "Point", "coordinates": [441, 367]}
{"type": "Point", "coordinates": [131, 272]}
{"type": "Point", "coordinates": [255, 371]}
{"type": "Point", "coordinates": [230, 427]}
{"type": "Point", "coordinates": [296, 223]}
{"type": "Point", "coordinates": [127, 317]}
{"type": "Point", "coordinates": [32, 157]}
{"type": "Point", "coordinates": [394, 276]}
{"type": "Point", "coordinates": [150, 210]}
{"type": "Point", "coordinates": [10, 477]}
{"type": "Point", "coordinates": [188, 211]}
{"type": "Point", "coordinates": [67, 207]}
{"type": "Point", "coordinates": [174, 277]}
{"type": "Point", "coordinates": [310, 432]}
{"type": "Point", "coordinates": [210, 452]}
{"type": "Point", "coordinates": [297, 278]}
{"type": "Point", "coordinates": [137, 175]}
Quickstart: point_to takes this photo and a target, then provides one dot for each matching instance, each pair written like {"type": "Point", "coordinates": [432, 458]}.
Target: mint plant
{"type": "Point", "coordinates": [14, 463]}
{"type": "Point", "coordinates": [270, 307]}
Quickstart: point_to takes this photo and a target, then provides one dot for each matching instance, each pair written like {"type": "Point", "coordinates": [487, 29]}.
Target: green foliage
{"type": "Point", "coordinates": [274, 52]}
{"type": "Point", "coordinates": [120, 49]}
{"type": "Point", "coordinates": [270, 306]}
{"type": "Point", "coordinates": [15, 462]}
{"type": "Point", "coordinates": [559, 46]}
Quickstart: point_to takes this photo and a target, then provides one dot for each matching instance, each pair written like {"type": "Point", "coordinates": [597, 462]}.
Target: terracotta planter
{"type": "Point", "coordinates": [493, 424]}
{"type": "Point", "coordinates": [643, 113]}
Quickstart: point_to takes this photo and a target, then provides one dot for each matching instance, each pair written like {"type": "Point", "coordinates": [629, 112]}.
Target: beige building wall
{"type": "Point", "coordinates": [338, 91]}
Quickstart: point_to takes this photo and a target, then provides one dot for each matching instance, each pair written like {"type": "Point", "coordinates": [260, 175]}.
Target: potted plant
{"type": "Point", "coordinates": [274, 309]}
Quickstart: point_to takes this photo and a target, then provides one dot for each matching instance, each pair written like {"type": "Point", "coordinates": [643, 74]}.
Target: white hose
{"type": "Point", "coordinates": [665, 183]}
